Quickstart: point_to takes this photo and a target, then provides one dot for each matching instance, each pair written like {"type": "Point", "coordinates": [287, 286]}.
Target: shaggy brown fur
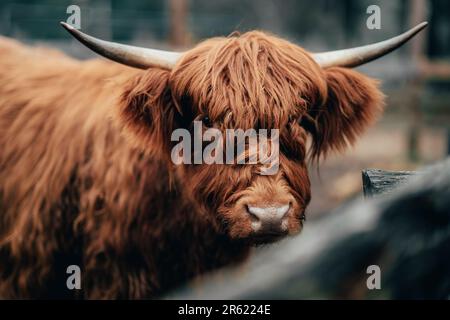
{"type": "Point", "coordinates": [85, 170]}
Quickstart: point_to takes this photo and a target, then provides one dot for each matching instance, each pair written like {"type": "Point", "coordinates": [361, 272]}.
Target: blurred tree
{"type": "Point", "coordinates": [178, 14]}
{"type": "Point", "coordinates": [418, 13]}
{"type": "Point", "coordinates": [439, 43]}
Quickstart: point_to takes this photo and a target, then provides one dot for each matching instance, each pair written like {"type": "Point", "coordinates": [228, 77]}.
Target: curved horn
{"type": "Point", "coordinates": [360, 55]}
{"type": "Point", "coordinates": [132, 56]}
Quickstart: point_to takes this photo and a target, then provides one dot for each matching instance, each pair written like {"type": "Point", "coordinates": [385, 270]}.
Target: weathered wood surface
{"type": "Point", "coordinates": [377, 181]}
{"type": "Point", "coordinates": [406, 233]}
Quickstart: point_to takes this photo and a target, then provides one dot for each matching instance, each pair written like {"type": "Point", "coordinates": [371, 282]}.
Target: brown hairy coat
{"type": "Point", "coordinates": [85, 170]}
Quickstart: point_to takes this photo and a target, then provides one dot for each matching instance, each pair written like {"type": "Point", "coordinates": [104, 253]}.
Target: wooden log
{"type": "Point", "coordinates": [377, 181]}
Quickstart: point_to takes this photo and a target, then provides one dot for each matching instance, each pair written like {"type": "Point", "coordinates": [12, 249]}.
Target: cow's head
{"type": "Point", "coordinates": [249, 81]}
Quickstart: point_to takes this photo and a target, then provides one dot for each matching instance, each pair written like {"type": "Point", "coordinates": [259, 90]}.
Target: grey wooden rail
{"type": "Point", "coordinates": [377, 181]}
{"type": "Point", "coordinates": [405, 232]}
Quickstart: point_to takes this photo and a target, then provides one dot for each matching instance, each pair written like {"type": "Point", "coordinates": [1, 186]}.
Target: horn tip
{"type": "Point", "coordinates": [66, 26]}
{"type": "Point", "coordinates": [422, 25]}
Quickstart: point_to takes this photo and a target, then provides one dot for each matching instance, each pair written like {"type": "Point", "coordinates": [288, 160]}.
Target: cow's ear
{"type": "Point", "coordinates": [352, 103]}
{"type": "Point", "coordinates": [146, 110]}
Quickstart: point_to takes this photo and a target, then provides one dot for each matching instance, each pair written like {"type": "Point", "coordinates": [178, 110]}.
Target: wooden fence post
{"type": "Point", "coordinates": [377, 181]}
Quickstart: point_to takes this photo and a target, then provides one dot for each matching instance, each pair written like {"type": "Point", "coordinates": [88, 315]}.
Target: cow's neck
{"type": "Point", "coordinates": [189, 246]}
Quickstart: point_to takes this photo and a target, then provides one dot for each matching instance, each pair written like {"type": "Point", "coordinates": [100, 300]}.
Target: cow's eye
{"type": "Point", "coordinates": [207, 122]}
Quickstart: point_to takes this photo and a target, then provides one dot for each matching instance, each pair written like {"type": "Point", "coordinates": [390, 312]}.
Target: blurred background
{"type": "Point", "coordinates": [415, 129]}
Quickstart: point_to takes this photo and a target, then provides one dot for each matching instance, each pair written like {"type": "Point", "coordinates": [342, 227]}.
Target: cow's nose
{"type": "Point", "coordinates": [269, 218]}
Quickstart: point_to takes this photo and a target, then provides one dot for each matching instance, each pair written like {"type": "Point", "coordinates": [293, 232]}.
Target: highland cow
{"type": "Point", "coordinates": [85, 171]}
